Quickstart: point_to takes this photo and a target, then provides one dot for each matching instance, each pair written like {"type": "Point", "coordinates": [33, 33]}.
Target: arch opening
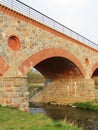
{"type": "Point", "coordinates": [35, 77]}
{"type": "Point", "coordinates": [54, 69]}
{"type": "Point", "coordinates": [58, 67]}
{"type": "Point", "coordinates": [35, 86]}
{"type": "Point", "coordinates": [95, 77]}
{"type": "Point", "coordinates": [41, 56]}
{"type": "Point", "coordinates": [95, 73]}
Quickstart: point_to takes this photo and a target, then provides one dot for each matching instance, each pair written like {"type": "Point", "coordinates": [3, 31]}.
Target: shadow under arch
{"type": "Point", "coordinates": [94, 68]}
{"type": "Point", "coordinates": [48, 53]}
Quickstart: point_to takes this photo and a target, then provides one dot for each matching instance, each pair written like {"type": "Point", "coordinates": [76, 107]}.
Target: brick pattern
{"type": "Point", "coordinates": [69, 91]}
{"type": "Point", "coordinates": [37, 43]}
{"type": "Point", "coordinates": [35, 38]}
{"type": "Point", "coordinates": [14, 92]}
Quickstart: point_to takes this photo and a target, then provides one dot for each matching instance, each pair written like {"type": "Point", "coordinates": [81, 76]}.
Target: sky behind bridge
{"type": "Point", "coordinates": [78, 15]}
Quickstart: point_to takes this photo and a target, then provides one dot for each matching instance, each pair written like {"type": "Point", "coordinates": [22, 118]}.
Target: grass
{"type": "Point", "coordinates": [36, 85]}
{"type": "Point", "coordinates": [87, 105]}
{"type": "Point", "coordinates": [13, 119]}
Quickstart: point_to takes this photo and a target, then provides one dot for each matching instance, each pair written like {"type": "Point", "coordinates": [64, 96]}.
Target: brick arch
{"type": "Point", "coordinates": [48, 53]}
{"type": "Point", "coordinates": [95, 66]}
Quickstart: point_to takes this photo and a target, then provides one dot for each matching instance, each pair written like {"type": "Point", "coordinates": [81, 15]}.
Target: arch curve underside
{"type": "Point", "coordinates": [53, 63]}
{"type": "Point", "coordinates": [58, 67]}
{"type": "Point", "coordinates": [94, 74]}
{"type": "Point", "coordinates": [94, 71]}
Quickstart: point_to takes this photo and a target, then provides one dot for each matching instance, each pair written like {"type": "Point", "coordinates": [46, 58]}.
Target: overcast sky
{"type": "Point", "coordinates": [78, 15]}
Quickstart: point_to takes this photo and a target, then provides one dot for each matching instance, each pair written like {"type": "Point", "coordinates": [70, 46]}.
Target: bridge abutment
{"type": "Point", "coordinates": [69, 91]}
{"type": "Point", "coordinates": [14, 92]}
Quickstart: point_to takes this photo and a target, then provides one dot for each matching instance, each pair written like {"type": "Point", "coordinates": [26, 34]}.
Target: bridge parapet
{"type": "Point", "coordinates": [38, 16]}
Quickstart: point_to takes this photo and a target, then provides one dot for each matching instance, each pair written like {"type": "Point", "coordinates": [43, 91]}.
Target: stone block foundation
{"type": "Point", "coordinates": [14, 92]}
{"type": "Point", "coordinates": [69, 91]}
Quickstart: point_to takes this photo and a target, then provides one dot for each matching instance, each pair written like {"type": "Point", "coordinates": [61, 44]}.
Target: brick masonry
{"type": "Point", "coordinates": [14, 92]}
{"type": "Point", "coordinates": [64, 92]}
{"type": "Point", "coordinates": [37, 42]}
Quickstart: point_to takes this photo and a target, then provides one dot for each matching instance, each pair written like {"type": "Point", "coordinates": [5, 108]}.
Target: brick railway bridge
{"type": "Point", "coordinates": [30, 39]}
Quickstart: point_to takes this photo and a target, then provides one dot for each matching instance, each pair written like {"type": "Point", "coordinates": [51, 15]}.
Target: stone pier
{"type": "Point", "coordinates": [69, 91]}
{"type": "Point", "coordinates": [14, 92]}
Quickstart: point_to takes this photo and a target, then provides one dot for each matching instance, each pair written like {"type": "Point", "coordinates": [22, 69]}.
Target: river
{"type": "Point", "coordinates": [86, 119]}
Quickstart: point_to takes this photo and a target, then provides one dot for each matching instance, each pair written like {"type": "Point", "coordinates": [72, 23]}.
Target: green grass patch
{"type": "Point", "coordinates": [87, 105]}
{"type": "Point", "coordinates": [96, 86]}
{"type": "Point", "coordinates": [36, 85]}
{"type": "Point", "coordinates": [13, 119]}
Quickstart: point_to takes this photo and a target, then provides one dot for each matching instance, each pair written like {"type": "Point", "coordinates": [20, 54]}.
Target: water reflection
{"type": "Point", "coordinates": [86, 119]}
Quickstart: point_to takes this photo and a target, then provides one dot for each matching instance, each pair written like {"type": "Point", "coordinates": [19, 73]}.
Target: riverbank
{"type": "Point", "coordinates": [17, 120]}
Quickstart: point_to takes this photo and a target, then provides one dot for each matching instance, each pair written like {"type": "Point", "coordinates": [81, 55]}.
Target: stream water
{"type": "Point", "coordinates": [86, 119]}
